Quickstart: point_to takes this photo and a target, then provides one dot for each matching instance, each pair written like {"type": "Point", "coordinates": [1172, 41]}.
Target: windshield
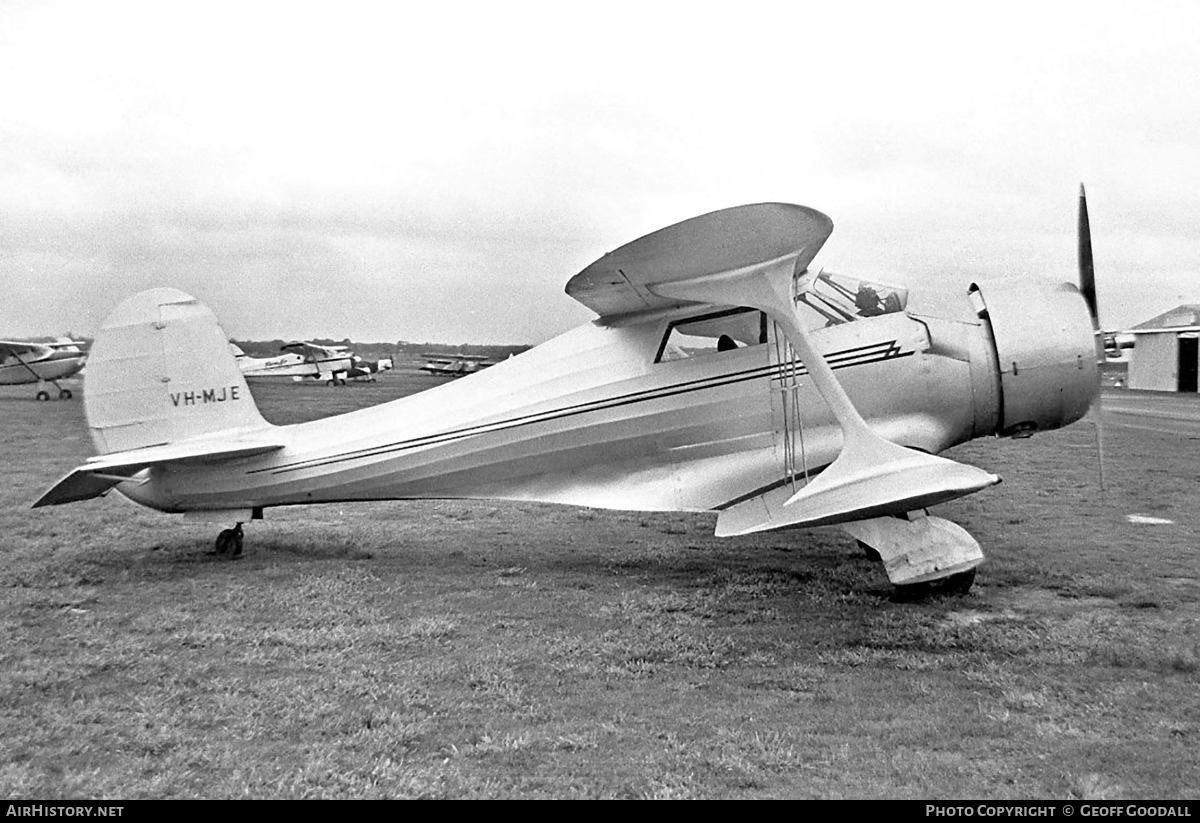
{"type": "Point", "coordinates": [721, 331]}
{"type": "Point", "coordinates": [838, 298]}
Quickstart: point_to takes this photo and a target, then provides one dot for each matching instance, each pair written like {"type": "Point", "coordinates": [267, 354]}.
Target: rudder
{"type": "Point", "coordinates": [161, 371]}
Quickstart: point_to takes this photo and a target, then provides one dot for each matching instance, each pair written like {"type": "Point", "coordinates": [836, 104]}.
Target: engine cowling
{"type": "Point", "coordinates": [1045, 353]}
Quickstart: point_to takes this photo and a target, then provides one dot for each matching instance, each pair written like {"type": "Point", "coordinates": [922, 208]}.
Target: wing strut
{"type": "Point", "coordinates": [872, 476]}
{"type": "Point", "coordinates": [29, 369]}
{"type": "Point", "coordinates": [37, 378]}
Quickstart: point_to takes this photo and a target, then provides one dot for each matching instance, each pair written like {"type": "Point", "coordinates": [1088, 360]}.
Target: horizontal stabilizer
{"type": "Point", "coordinates": [96, 477]}
{"type": "Point", "coordinates": [80, 484]}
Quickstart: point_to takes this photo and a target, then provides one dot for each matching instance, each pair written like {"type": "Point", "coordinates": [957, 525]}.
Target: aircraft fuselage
{"type": "Point", "coordinates": [601, 417]}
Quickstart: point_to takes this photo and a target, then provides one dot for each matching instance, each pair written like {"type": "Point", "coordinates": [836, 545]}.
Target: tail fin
{"type": "Point", "coordinates": [161, 371]}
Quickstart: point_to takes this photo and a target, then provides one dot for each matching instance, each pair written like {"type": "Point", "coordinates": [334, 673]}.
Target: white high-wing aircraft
{"type": "Point", "coordinates": [721, 375]}
{"type": "Point", "coordinates": [41, 363]}
{"type": "Point", "coordinates": [312, 361]}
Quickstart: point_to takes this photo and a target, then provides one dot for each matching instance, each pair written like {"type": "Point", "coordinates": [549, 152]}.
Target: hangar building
{"type": "Point", "coordinates": [1166, 351]}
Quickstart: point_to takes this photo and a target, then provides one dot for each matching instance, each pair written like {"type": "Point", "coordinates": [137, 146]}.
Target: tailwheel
{"type": "Point", "coordinates": [230, 540]}
{"type": "Point", "coordinates": [954, 585]}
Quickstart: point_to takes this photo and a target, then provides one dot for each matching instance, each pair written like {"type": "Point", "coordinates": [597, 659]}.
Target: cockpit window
{"type": "Point", "coordinates": [712, 333]}
{"type": "Point", "coordinates": [837, 298]}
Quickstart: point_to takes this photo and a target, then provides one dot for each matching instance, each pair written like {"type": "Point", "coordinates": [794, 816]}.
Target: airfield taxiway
{"type": "Point", "coordinates": [1166, 412]}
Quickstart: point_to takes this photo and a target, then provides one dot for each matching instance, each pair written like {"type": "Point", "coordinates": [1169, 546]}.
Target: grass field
{"type": "Point", "coordinates": [459, 649]}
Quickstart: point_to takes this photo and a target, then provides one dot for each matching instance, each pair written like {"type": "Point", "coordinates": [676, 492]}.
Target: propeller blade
{"type": "Point", "coordinates": [1087, 287]}
{"type": "Point", "coordinates": [1087, 270]}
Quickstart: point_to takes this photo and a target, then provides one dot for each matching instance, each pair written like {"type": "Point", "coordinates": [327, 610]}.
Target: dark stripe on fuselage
{"type": "Point", "coordinates": [857, 356]}
{"type": "Point", "coordinates": [807, 477]}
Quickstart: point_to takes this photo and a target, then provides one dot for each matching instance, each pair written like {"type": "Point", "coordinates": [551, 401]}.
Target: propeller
{"type": "Point", "coordinates": [1087, 287]}
{"type": "Point", "coordinates": [1087, 269]}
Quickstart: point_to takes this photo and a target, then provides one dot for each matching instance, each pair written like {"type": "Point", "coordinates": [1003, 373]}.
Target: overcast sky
{"type": "Point", "coordinates": [437, 171]}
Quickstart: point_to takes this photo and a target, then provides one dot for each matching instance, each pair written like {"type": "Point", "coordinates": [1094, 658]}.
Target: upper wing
{"type": "Point", "coordinates": [24, 350]}
{"type": "Point", "coordinates": [300, 347]}
{"type": "Point", "coordinates": [316, 350]}
{"type": "Point", "coordinates": [712, 244]}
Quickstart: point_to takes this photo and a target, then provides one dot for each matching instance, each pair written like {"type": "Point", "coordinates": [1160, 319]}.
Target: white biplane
{"type": "Point", "coordinates": [721, 375]}
{"type": "Point", "coordinates": [302, 361]}
{"type": "Point", "coordinates": [454, 365]}
{"type": "Point", "coordinates": [41, 363]}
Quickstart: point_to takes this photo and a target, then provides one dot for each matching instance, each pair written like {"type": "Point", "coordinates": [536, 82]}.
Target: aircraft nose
{"type": "Point", "coordinates": [1045, 353]}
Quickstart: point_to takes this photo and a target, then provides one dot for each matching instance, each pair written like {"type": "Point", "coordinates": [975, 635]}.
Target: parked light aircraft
{"type": "Point", "coordinates": [365, 370]}
{"type": "Point", "coordinates": [42, 363]}
{"type": "Point", "coordinates": [722, 374]}
{"type": "Point", "coordinates": [302, 361]}
{"type": "Point", "coordinates": [454, 365]}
